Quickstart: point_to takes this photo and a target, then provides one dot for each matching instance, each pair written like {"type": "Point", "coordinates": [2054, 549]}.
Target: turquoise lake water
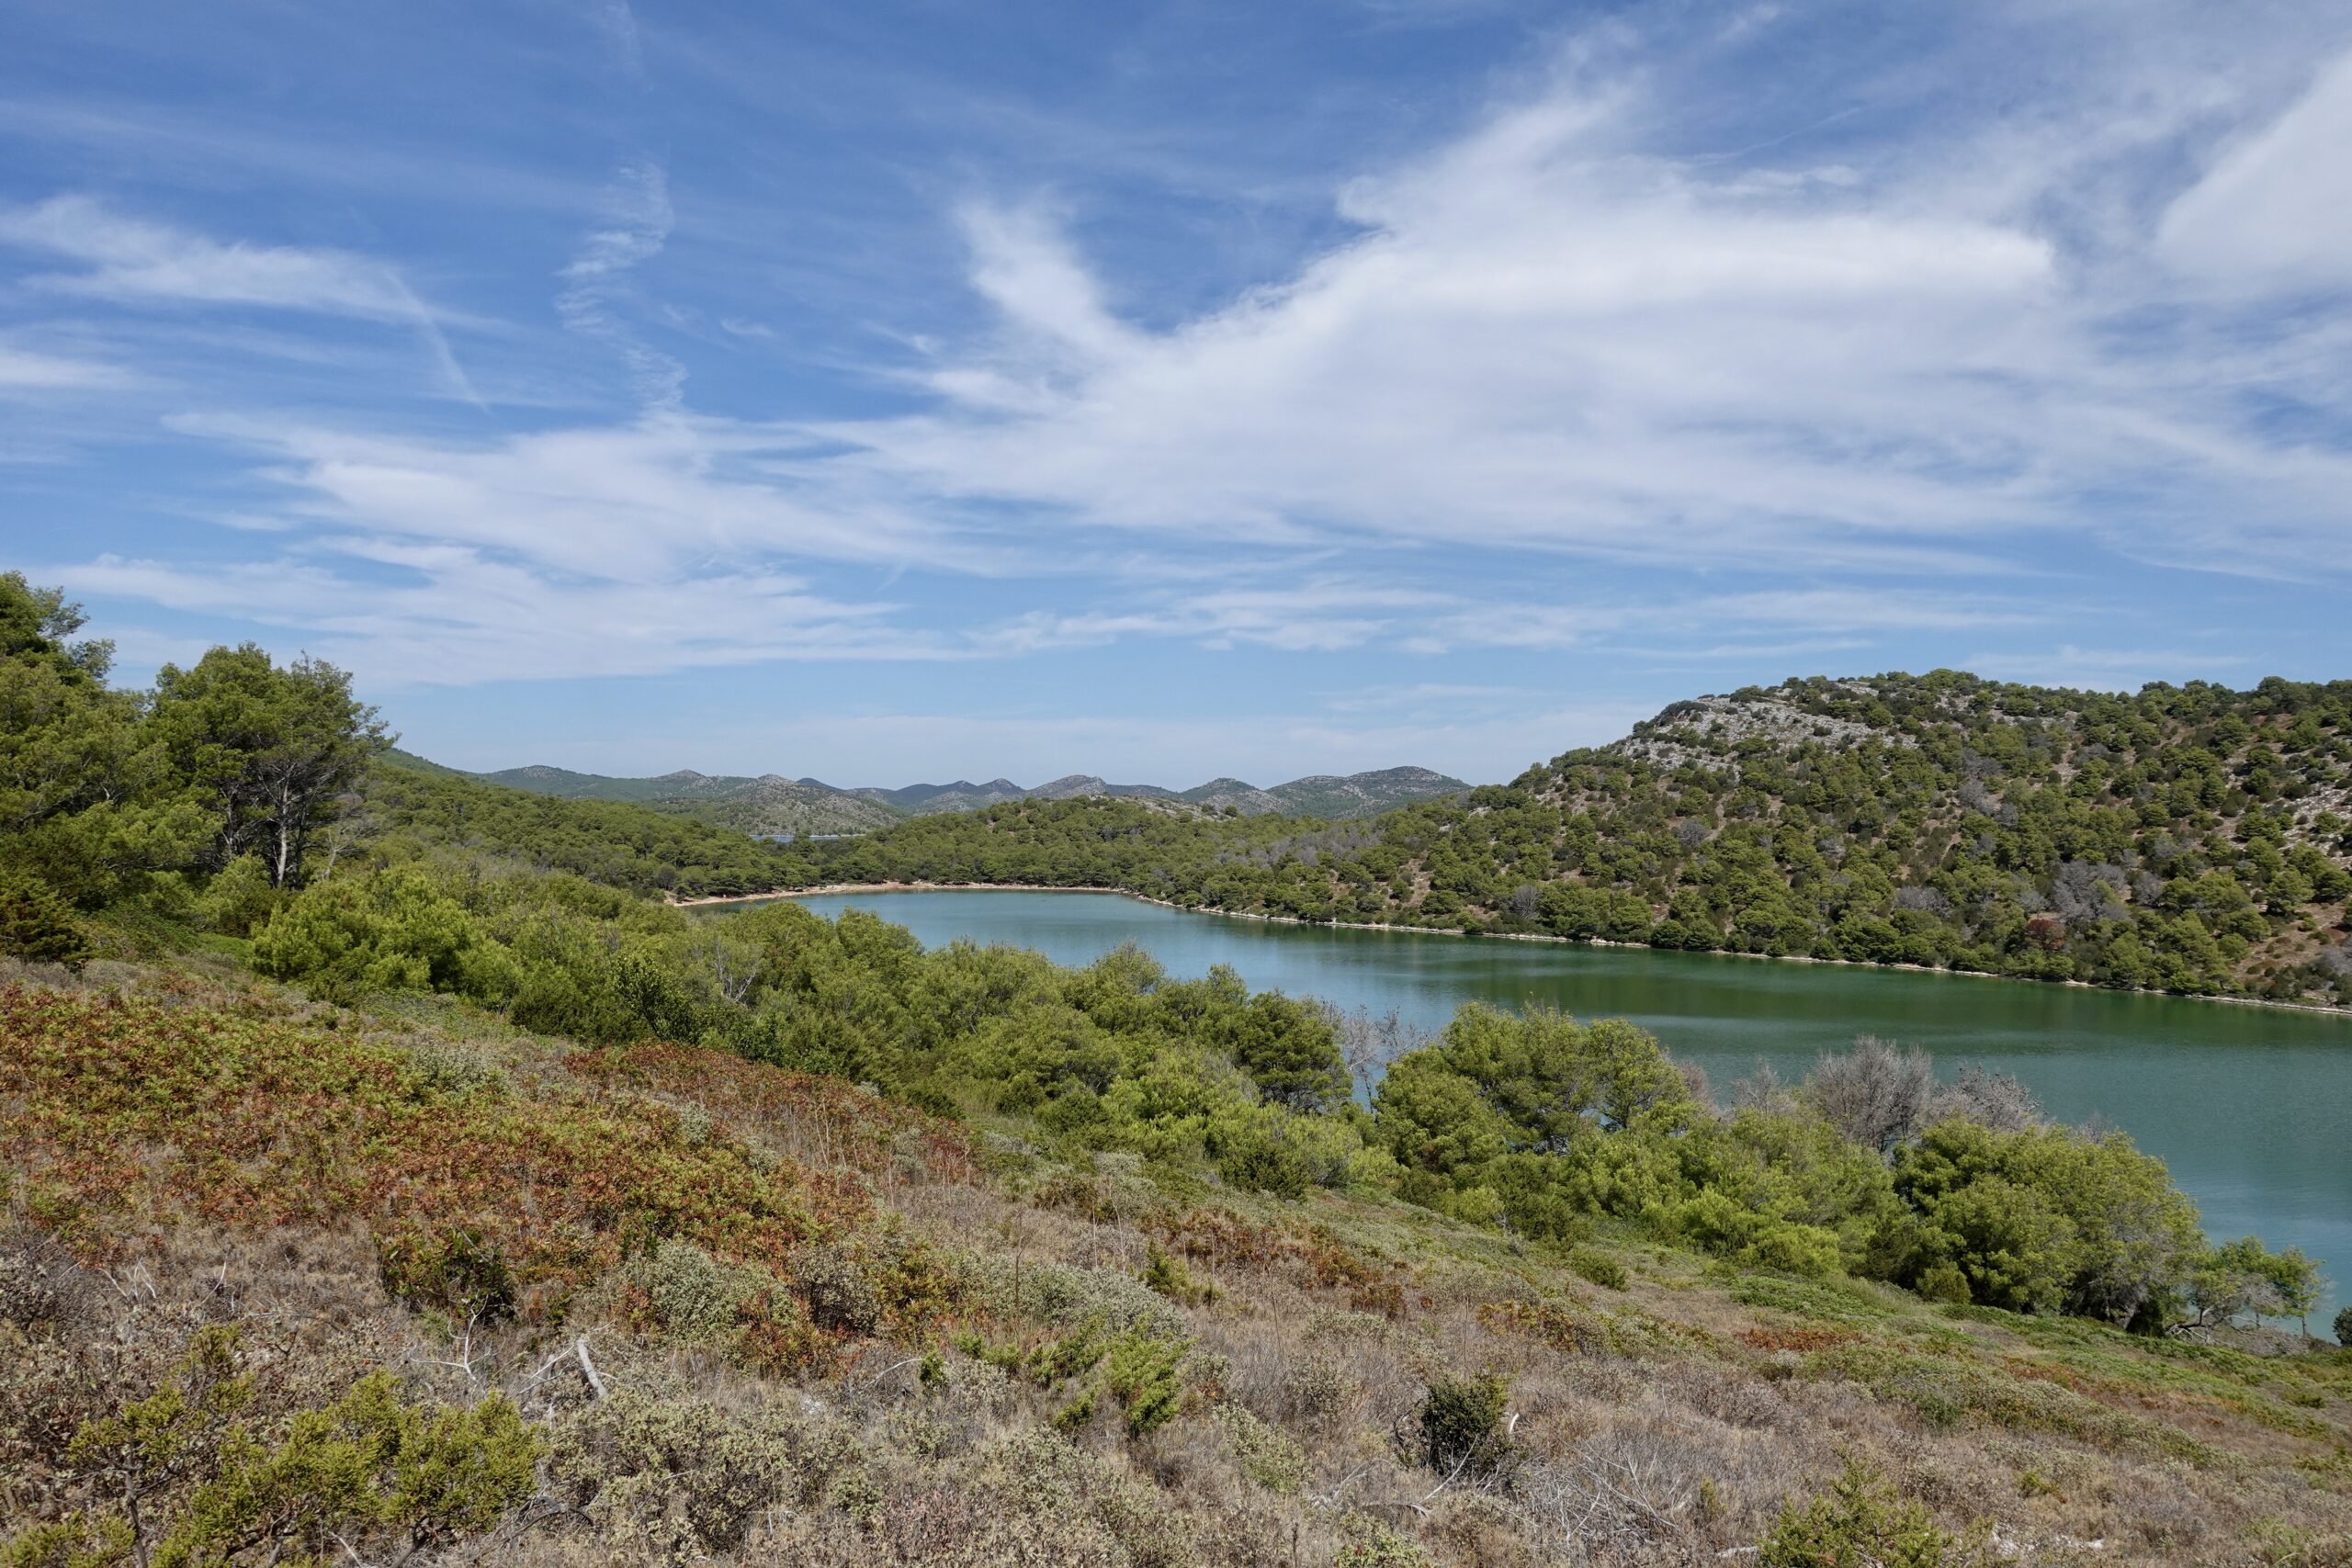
{"type": "Point", "coordinates": [2251, 1107]}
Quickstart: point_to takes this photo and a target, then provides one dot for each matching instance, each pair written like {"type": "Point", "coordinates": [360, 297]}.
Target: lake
{"type": "Point", "coordinates": [2251, 1107]}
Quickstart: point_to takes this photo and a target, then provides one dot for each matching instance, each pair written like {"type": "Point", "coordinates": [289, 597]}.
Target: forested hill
{"type": "Point", "coordinates": [2186, 838]}
{"type": "Point", "coordinates": [407, 808]}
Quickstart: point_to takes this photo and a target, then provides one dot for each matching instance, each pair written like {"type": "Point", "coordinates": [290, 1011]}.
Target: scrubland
{"type": "Point", "coordinates": [286, 1280]}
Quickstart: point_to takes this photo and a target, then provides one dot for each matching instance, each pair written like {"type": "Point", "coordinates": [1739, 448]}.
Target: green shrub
{"type": "Point", "coordinates": [692, 1294]}
{"type": "Point", "coordinates": [1462, 1425]}
{"type": "Point", "coordinates": [1371, 1544]}
{"type": "Point", "coordinates": [1859, 1523]}
{"type": "Point", "coordinates": [1144, 1374]}
{"type": "Point", "coordinates": [1167, 1274]}
{"type": "Point", "coordinates": [369, 1465]}
{"type": "Point", "coordinates": [1257, 1156]}
{"type": "Point", "coordinates": [839, 1295]}
{"type": "Point", "coordinates": [680, 1478]}
{"type": "Point", "coordinates": [443, 1067]}
{"type": "Point", "coordinates": [198, 1484]}
{"type": "Point", "coordinates": [1597, 1266]}
{"type": "Point", "coordinates": [240, 898]}
{"type": "Point", "coordinates": [456, 1271]}
{"type": "Point", "coordinates": [1269, 1456]}
{"type": "Point", "coordinates": [37, 924]}
{"type": "Point", "coordinates": [2344, 1326]}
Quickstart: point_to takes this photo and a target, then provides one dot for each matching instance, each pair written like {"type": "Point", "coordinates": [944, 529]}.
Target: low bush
{"type": "Point", "coordinates": [1860, 1522]}
{"type": "Point", "coordinates": [1461, 1429]}
{"type": "Point", "coordinates": [193, 1473]}
{"type": "Point", "coordinates": [676, 1478]}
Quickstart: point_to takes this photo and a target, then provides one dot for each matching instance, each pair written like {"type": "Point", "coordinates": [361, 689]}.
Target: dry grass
{"type": "Point", "coordinates": [1667, 1423]}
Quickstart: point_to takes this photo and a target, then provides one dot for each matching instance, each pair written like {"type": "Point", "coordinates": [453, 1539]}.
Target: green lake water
{"type": "Point", "coordinates": [2251, 1107]}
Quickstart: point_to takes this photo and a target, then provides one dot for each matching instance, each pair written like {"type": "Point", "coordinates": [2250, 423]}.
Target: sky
{"type": "Point", "coordinates": [900, 391]}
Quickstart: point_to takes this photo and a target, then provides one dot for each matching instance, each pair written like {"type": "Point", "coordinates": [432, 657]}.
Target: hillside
{"type": "Point", "coordinates": [775, 807]}
{"type": "Point", "coordinates": [497, 1295]}
{"type": "Point", "coordinates": [406, 809]}
{"type": "Point", "coordinates": [769, 806]}
{"type": "Point", "coordinates": [389, 1175]}
{"type": "Point", "coordinates": [1320, 795]}
{"type": "Point", "coordinates": [2193, 838]}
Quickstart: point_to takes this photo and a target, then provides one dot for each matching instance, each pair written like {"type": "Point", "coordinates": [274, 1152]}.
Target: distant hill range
{"type": "Point", "coordinates": [772, 805]}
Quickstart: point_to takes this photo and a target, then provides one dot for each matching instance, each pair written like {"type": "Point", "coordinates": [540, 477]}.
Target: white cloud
{"type": "Point", "coordinates": [134, 261]}
{"type": "Point", "coordinates": [639, 219]}
{"type": "Point", "coordinates": [641, 501]}
{"type": "Point", "coordinates": [2105, 670]}
{"type": "Point", "coordinates": [453, 616]}
{"type": "Point", "coordinates": [1545, 338]}
{"type": "Point", "coordinates": [23, 370]}
{"type": "Point", "coordinates": [2277, 206]}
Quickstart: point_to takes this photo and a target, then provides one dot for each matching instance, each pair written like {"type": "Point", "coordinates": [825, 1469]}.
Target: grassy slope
{"type": "Point", "coordinates": [224, 1151]}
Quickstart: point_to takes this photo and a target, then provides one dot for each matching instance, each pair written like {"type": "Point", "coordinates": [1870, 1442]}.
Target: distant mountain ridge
{"type": "Point", "coordinates": [772, 805]}
{"type": "Point", "coordinates": [1326, 795]}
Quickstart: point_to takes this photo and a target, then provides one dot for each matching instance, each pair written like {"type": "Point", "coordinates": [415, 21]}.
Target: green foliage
{"type": "Point", "coordinates": [2047, 1219]}
{"type": "Point", "coordinates": [91, 796]}
{"type": "Point", "coordinates": [2244, 1276]}
{"type": "Point", "coordinates": [1143, 1372]}
{"type": "Point", "coordinates": [35, 924]}
{"type": "Point", "coordinates": [391, 931]}
{"type": "Point", "coordinates": [369, 1465]}
{"type": "Point", "coordinates": [677, 1478]}
{"type": "Point", "coordinates": [1461, 1429]}
{"type": "Point", "coordinates": [2343, 1326]}
{"type": "Point", "coordinates": [1371, 1544]}
{"type": "Point", "coordinates": [1269, 1456]}
{"type": "Point", "coordinates": [619, 844]}
{"type": "Point", "coordinates": [1859, 1523]}
{"type": "Point", "coordinates": [240, 898]}
{"type": "Point", "coordinates": [1597, 1266]}
{"type": "Point", "coordinates": [456, 1271]}
{"type": "Point", "coordinates": [271, 749]}
{"type": "Point", "coordinates": [187, 1476]}
{"type": "Point", "coordinates": [1166, 1273]}
{"type": "Point", "coordinates": [2150, 841]}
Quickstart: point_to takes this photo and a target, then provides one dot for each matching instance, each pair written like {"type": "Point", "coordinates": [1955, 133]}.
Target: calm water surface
{"type": "Point", "coordinates": [2251, 1107]}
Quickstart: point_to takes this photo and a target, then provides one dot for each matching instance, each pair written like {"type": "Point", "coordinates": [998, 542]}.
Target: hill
{"type": "Point", "coordinates": [375, 1189]}
{"type": "Point", "coordinates": [2193, 838]}
{"type": "Point", "coordinates": [772, 805]}
{"type": "Point", "coordinates": [405, 1276]}
{"type": "Point", "coordinates": [408, 808]}
{"type": "Point", "coordinates": [1320, 795]}
{"type": "Point", "coordinates": [769, 806]}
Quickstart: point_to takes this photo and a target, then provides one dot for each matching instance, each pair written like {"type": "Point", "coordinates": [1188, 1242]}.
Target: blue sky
{"type": "Point", "coordinates": [905, 391]}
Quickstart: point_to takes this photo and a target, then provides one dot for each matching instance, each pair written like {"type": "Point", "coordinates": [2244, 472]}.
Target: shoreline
{"type": "Point", "coordinates": [836, 889]}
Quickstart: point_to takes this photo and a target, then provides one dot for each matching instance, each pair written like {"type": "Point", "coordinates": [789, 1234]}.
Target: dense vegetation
{"type": "Point", "coordinates": [235, 783]}
{"type": "Point", "coordinates": [768, 806]}
{"type": "Point", "coordinates": [444, 1192]}
{"type": "Point", "coordinates": [409, 812]}
{"type": "Point", "coordinates": [773, 805]}
{"type": "Point", "coordinates": [2190, 839]}
{"type": "Point", "coordinates": [285, 1281]}
{"type": "Point", "coordinates": [1537, 1124]}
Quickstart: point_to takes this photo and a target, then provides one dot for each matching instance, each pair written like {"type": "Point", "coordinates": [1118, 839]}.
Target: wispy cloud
{"type": "Point", "coordinates": [445, 615]}
{"type": "Point", "coordinates": [2273, 208]}
{"type": "Point", "coordinates": [597, 282]}
{"type": "Point", "coordinates": [1546, 337]}
{"type": "Point", "coordinates": [23, 370]}
{"type": "Point", "coordinates": [135, 260]}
